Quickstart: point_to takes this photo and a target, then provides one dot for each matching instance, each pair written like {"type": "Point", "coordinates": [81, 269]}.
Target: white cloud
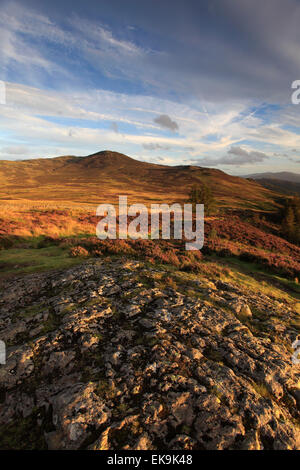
{"type": "Point", "coordinates": [202, 136]}
{"type": "Point", "coordinates": [100, 36]}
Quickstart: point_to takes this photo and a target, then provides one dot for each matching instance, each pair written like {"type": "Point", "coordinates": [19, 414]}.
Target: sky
{"type": "Point", "coordinates": [168, 82]}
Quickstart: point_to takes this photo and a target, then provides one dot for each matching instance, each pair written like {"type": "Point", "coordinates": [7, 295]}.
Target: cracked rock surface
{"type": "Point", "coordinates": [97, 359]}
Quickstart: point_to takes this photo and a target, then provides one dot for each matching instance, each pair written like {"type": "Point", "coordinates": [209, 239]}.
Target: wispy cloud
{"type": "Point", "coordinates": [90, 121]}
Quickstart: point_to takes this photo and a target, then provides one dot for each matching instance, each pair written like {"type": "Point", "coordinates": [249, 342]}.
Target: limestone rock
{"type": "Point", "coordinates": [92, 365]}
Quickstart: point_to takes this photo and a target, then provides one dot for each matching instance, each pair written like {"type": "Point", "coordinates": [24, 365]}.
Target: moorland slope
{"type": "Point", "coordinates": [102, 176]}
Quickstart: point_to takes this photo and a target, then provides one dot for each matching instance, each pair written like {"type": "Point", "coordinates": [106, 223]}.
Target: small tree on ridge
{"type": "Point", "coordinates": [202, 194]}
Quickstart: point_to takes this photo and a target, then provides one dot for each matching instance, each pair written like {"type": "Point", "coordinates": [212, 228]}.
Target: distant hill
{"type": "Point", "coordinates": [283, 176]}
{"type": "Point", "coordinates": [103, 176]}
{"type": "Point", "coordinates": [284, 182]}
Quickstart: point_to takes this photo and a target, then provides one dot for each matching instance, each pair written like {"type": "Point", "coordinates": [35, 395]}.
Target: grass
{"type": "Point", "coordinates": [258, 279]}
{"type": "Point", "coordinates": [28, 224]}
{"type": "Point", "coordinates": [17, 261]}
{"type": "Point", "coordinates": [28, 258]}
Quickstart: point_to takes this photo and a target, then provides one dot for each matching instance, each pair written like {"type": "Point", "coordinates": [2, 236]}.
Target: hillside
{"type": "Point", "coordinates": [103, 176]}
{"type": "Point", "coordinates": [283, 182]}
{"type": "Point", "coordinates": [141, 344]}
{"type": "Point", "coordinates": [281, 186]}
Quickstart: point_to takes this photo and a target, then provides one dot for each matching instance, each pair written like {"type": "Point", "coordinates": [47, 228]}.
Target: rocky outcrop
{"type": "Point", "coordinates": [98, 359]}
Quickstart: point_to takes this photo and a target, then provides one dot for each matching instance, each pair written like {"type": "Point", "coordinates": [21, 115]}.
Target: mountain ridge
{"type": "Point", "coordinates": [281, 175]}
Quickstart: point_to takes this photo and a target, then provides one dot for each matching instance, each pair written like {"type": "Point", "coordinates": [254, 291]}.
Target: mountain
{"type": "Point", "coordinates": [104, 175]}
{"type": "Point", "coordinates": [283, 176]}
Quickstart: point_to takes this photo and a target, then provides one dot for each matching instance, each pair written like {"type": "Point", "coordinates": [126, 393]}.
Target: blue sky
{"type": "Point", "coordinates": [172, 82]}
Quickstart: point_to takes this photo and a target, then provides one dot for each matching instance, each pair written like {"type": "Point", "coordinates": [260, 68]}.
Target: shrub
{"type": "Point", "coordinates": [78, 251]}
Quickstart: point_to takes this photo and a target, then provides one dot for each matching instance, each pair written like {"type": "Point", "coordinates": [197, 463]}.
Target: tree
{"type": "Point", "coordinates": [202, 194]}
{"type": "Point", "coordinates": [288, 223]}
